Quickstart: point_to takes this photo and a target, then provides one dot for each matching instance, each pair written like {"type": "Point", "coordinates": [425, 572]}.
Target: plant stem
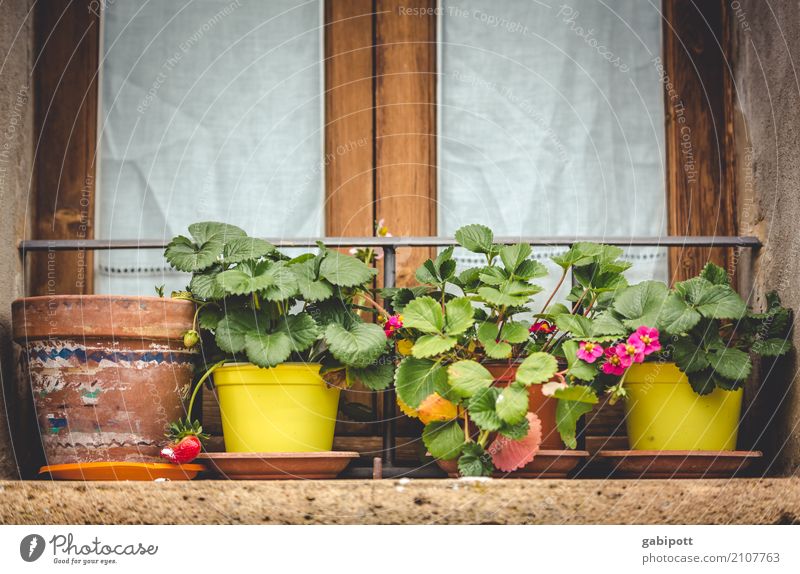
{"type": "Point", "coordinates": [375, 304]}
{"type": "Point", "coordinates": [466, 427]}
{"type": "Point", "coordinates": [200, 384]}
{"type": "Point", "coordinates": [196, 314]}
{"type": "Point", "coordinates": [558, 286]}
{"type": "Point", "coordinates": [256, 304]}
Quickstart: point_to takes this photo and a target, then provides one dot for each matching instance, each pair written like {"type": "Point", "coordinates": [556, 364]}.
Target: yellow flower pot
{"type": "Point", "coordinates": [288, 408]}
{"type": "Point", "coordinates": [664, 413]}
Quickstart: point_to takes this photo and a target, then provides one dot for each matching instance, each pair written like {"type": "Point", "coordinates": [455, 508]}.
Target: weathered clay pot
{"type": "Point", "coordinates": [544, 407]}
{"type": "Point", "coordinates": [107, 372]}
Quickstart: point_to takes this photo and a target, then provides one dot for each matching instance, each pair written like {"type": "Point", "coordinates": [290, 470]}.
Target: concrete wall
{"type": "Point", "coordinates": [16, 159]}
{"type": "Point", "coordinates": [766, 68]}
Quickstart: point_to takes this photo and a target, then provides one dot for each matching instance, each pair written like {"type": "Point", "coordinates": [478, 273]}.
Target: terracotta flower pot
{"type": "Point", "coordinates": [544, 407]}
{"type": "Point", "coordinates": [107, 372]}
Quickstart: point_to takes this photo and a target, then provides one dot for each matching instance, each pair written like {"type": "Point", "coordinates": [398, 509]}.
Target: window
{"type": "Point", "coordinates": [210, 111]}
{"type": "Point", "coordinates": [552, 122]}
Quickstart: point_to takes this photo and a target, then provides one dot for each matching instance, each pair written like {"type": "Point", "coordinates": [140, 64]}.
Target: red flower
{"type": "Point", "coordinates": [544, 327]}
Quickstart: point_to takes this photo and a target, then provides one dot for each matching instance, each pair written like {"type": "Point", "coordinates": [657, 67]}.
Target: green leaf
{"type": "Point", "coordinates": [344, 270]}
{"type": "Point", "coordinates": [431, 345]}
{"type": "Point", "coordinates": [310, 286]}
{"type": "Point", "coordinates": [771, 347]}
{"type": "Point", "coordinates": [458, 315]}
{"type": "Point", "coordinates": [231, 330]}
{"type": "Point", "coordinates": [578, 325]}
{"type": "Point", "coordinates": [676, 316]}
{"type": "Point", "coordinates": [427, 273]}
{"type": "Point", "coordinates": [567, 415]}
{"type": "Point", "coordinates": [475, 461]}
{"type": "Point", "coordinates": [605, 324]}
{"type": "Point", "coordinates": [424, 314]}
{"type": "Point", "coordinates": [241, 249]}
{"type": "Point", "coordinates": [515, 255]}
{"type": "Point", "coordinates": [731, 363]}
{"type": "Point", "coordinates": [578, 393]}
{"type": "Point", "coordinates": [688, 356]}
{"type": "Point", "coordinates": [444, 440]}
{"type": "Point", "coordinates": [702, 381]}
{"type": "Point", "coordinates": [272, 279]}
{"type": "Point", "coordinates": [482, 409]}
{"type": "Point", "coordinates": [185, 255]}
{"type": "Point", "coordinates": [301, 330]}
{"type": "Point", "coordinates": [579, 254]}
{"type": "Point", "coordinates": [416, 379]}
{"type": "Point", "coordinates": [468, 377]}
{"type": "Point", "coordinates": [267, 349]}
{"type": "Point", "coordinates": [492, 275]}
{"type": "Point", "coordinates": [512, 404]}
{"type": "Point", "coordinates": [530, 269]}
{"type": "Point", "coordinates": [475, 238]}
{"type": "Point", "coordinates": [358, 345]}
{"type": "Point", "coordinates": [515, 333]}
{"type": "Point", "coordinates": [516, 432]}
{"type": "Point", "coordinates": [204, 285]}
{"type": "Point", "coordinates": [509, 293]}
{"type": "Point", "coordinates": [209, 317]}
{"type": "Point", "coordinates": [205, 231]}
{"type": "Point", "coordinates": [537, 368]}
{"type": "Point", "coordinates": [488, 335]}
{"type": "Point", "coordinates": [578, 368]}
{"type": "Point", "coordinates": [715, 274]}
{"type": "Point", "coordinates": [375, 377]}
{"type": "Point", "coordinates": [641, 304]}
{"type": "Point", "coordinates": [721, 302]}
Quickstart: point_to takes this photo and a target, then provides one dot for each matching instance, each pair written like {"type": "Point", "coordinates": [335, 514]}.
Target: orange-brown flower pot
{"type": "Point", "coordinates": [107, 373]}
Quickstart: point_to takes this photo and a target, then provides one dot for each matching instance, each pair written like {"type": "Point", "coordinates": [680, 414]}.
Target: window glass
{"type": "Point", "coordinates": [552, 121]}
{"type": "Point", "coordinates": [211, 110]}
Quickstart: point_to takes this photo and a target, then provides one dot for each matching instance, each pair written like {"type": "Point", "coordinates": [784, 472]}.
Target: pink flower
{"type": "Point", "coordinates": [648, 338]}
{"type": "Point", "coordinates": [381, 229]}
{"type": "Point", "coordinates": [614, 364]}
{"type": "Point", "coordinates": [589, 351]}
{"type": "Point", "coordinates": [392, 324]}
{"type": "Point", "coordinates": [544, 327]}
{"type": "Point", "coordinates": [632, 351]}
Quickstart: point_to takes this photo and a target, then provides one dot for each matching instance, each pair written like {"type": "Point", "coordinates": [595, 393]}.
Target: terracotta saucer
{"type": "Point", "coordinates": [140, 471]}
{"type": "Point", "coordinates": [676, 463]}
{"type": "Point", "coordinates": [546, 464]}
{"type": "Point", "coordinates": [278, 465]}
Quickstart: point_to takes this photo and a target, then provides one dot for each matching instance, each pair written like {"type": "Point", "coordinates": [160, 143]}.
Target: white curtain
{"type": "Point", "coordinates": [211, 110]}
{"type": "Point", "coordinates": [552, 121]}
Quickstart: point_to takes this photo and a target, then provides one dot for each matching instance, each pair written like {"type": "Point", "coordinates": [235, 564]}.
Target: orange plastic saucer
{"type": "Point", "coordinates": [122, 471]}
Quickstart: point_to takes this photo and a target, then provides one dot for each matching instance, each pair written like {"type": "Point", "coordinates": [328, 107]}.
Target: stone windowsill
{"type": "Point", "coordinates": [741, 501]}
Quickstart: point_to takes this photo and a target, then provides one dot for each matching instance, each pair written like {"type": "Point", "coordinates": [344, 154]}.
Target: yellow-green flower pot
{"type": "Point", "coordinates": [288, 408]}
{"type": "Point", "coordinates": [664, 413]}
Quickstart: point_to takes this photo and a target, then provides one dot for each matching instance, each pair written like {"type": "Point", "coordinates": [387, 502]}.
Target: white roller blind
{"type": "Point", "coordinates": [552, 121]}
{"type": "Point", "coordinates": [211, 110]}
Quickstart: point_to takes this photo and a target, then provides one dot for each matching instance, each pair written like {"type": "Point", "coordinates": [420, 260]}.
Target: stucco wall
{"type": "Point", "coordinates": [766, 67]}
{"type": "Point", "coordinates": [16, 152]}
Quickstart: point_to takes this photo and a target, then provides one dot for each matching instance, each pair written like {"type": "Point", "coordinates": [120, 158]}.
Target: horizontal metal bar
{"type": "Point", "coordinates": [30, 245]}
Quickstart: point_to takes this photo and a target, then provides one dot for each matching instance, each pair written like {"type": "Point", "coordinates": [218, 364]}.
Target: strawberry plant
{"type": "Point", "coordinates": [454, 324]}
{"type": "Point", "coordinates": [255, 304]}
{"type": "Point", "coordinates": [702, 325]}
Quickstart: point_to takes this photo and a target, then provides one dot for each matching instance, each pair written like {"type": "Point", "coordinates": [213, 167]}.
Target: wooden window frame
{"type": "Point", "coordinates": [380, 139]}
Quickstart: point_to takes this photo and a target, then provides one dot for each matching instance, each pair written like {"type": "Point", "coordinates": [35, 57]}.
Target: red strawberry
{"type": "Point", "coordinates": [185, 450]}
{"type": "Point", "coordinates": [186, 442]}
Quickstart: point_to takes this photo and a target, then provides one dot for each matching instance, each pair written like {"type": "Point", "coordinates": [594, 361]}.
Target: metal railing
{"type": "Point", "coordinates": [386, 465]}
